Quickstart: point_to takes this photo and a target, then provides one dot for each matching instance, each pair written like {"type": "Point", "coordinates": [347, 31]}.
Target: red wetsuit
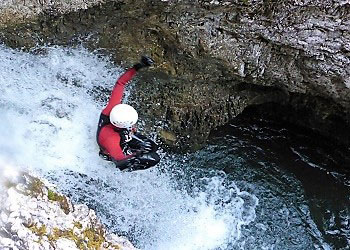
{"type": "Point", "coordinates": [108, 137]}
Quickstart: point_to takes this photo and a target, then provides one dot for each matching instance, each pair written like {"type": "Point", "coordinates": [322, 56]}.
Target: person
{"type": "Point", "coordinates": [116, 133]}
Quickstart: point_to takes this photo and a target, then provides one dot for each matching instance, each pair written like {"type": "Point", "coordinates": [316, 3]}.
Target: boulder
{"type": "Point", "coordinates": [35, 216]}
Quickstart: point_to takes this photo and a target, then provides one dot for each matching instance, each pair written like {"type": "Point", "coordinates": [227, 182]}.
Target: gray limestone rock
{"type": "Point", "coordinates": [35, 216]}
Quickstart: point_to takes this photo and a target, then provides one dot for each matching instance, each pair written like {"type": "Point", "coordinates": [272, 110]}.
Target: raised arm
{"type": "Point", "coordinates": [118, 90]}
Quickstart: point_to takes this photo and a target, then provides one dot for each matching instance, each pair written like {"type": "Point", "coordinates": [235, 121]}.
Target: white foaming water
{"type": "Point", "coordinates": [46, 109]}
{"type": "Point", "coordinates": [48, 118]}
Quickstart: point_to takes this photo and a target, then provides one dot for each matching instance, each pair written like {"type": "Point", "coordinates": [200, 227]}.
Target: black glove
{"type": "Point", "coordinates": [144, 62]}
{"type": "Point", "coordinates": [146, 147]}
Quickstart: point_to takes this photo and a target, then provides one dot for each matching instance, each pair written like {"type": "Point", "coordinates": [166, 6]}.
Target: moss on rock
{"type": "Point", "coordinates": [89, 238]}
{"type": "Point", "coordinates": [36, 187]}
{"type": "Point", "coordinates": [61, 199]}
{"type": "Point", "coordinates": [95, 237]}
{"type": "Point", "coordinates": [68, 234]}
{"type": "Point", "coordinates": [38, 230]}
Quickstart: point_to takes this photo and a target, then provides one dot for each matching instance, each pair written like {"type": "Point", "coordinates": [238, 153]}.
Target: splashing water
{"type": "Point", "coordinates": [49, 107]}
{"type": "Point", "coordinates": [48, 114]}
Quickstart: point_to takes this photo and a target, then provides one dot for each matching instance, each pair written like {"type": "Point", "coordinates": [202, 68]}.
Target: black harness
{"type": "Point", "coordinates": [124, 134]}
{"type": "Point", "coordinates": [125, 138]}
{"type": "Point", "coordinates": [104, 120]}
{"type": "Point", "coordinates": [127, 143]}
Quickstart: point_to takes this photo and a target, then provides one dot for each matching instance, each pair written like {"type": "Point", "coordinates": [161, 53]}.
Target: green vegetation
{"type": "Point", "coordinates": [39, 231]}
{"type": "Point", "coordinates": [53, 196]}
{"type": "Point", "coordinates": [62, 200]}
{"type": "Point", "coordinates": [35, 186]}
{"type": "Point", "coordinates": [68, 234]}
{"type": "Point", "coordinates": [91, 238]}
{"type": "Point", "coordinates": [78, 225]}
{"type": "Point", "coordinates": [95, 237]}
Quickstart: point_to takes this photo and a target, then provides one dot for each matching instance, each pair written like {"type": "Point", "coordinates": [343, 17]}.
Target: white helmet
{"type": "Point", "coordinates": [123, 116]}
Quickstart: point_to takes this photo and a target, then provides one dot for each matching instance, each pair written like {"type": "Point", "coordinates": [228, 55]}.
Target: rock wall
{"type": "Point", "coordinates": [286, 59]}
{"type": "Point", "coordinates": [34, 216]}
{"type": "Point", "coordinates": [23, 11]}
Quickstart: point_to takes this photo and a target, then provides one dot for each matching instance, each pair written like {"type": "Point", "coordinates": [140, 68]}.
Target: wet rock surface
{"type": "Point", "coordinates": [288, 60]}
{"type": "Point", "coordinates": [37, 217]}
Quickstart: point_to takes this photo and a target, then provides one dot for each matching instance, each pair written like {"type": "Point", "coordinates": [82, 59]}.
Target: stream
{"type": "Point", "coordinates": [256, 185]}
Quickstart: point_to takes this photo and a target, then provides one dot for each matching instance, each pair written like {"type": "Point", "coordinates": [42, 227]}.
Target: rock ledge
{"type": "Point", "coordinates": [37, 217]}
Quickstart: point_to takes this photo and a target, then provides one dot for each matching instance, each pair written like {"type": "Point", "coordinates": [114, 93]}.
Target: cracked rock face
{"type": "Point", "coordinates": [36, 217]}
{"type": "Point", "coordinates": [215, 59]}
{"type": "Point", "coordinates": [19, 11]}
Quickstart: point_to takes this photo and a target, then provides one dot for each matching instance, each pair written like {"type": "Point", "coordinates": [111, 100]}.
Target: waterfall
{"type": "Point", "coordinates": [50, 106]}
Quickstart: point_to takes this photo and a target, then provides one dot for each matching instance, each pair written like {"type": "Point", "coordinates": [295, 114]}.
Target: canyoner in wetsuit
{"type": "Point", "coordinates": [116, 133]}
